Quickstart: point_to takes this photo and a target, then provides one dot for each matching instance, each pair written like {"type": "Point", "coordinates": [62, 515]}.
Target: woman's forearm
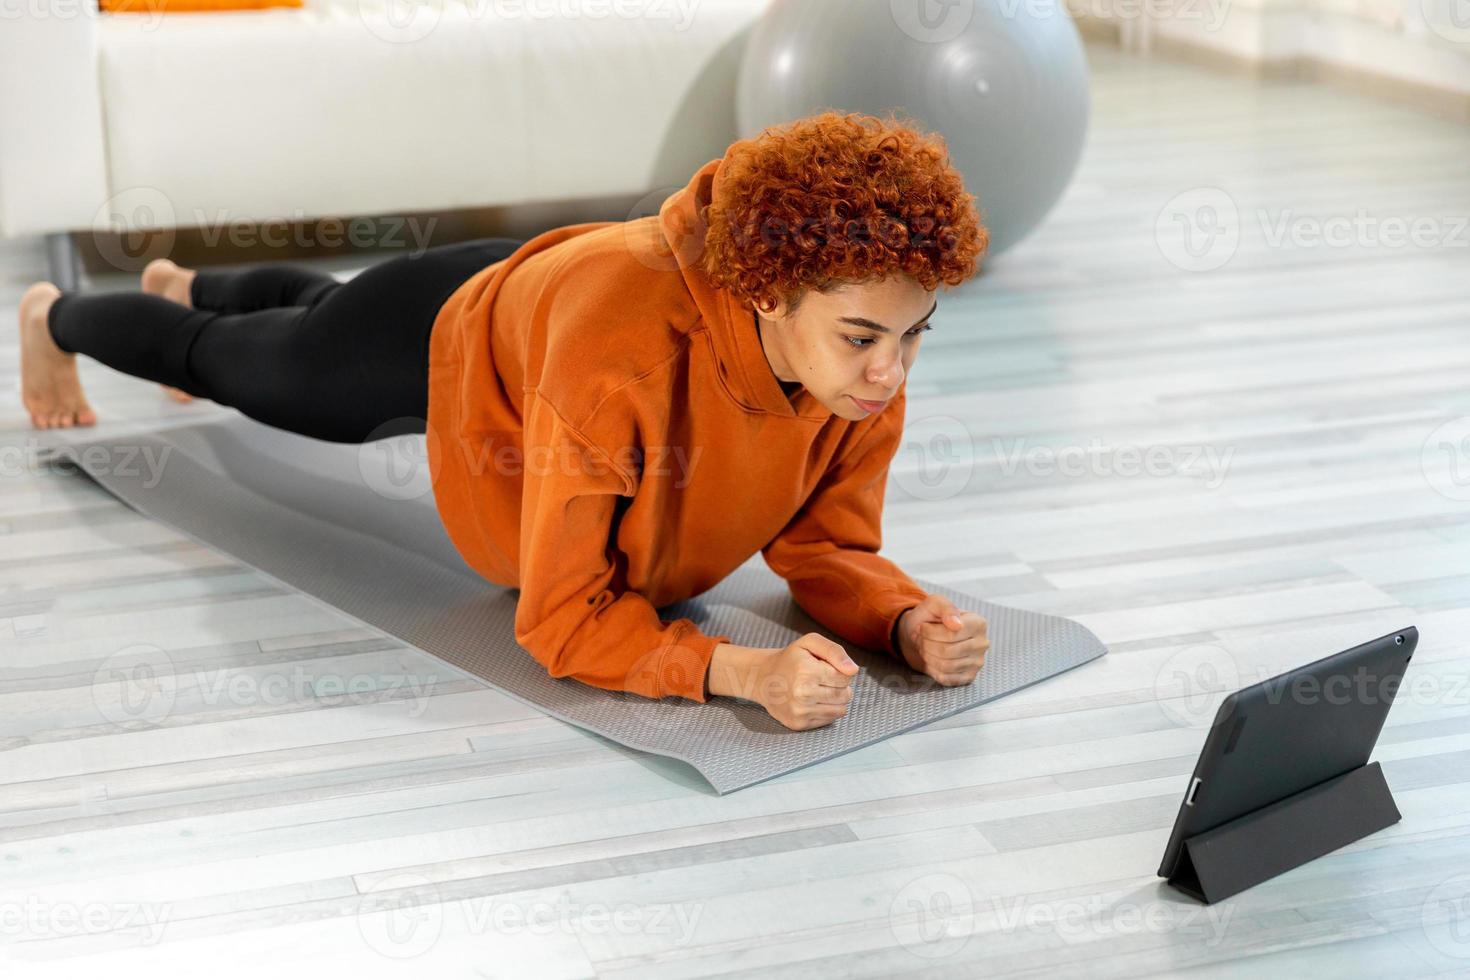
{"type": "Point", "coordinates": [732, 670]}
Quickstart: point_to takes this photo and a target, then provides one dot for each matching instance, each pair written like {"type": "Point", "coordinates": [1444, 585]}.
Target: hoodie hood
{"type": "Point", "coordinates": [683, 222]}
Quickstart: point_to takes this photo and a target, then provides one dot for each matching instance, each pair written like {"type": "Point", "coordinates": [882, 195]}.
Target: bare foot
{"type": "Point", "coordinates": [162, 277]}
{"type": "Point", "coordinates": [49, 386]}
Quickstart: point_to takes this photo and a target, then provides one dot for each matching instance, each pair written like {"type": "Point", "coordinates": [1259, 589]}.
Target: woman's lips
{"type": "Point", "coordinates": [868, 406]}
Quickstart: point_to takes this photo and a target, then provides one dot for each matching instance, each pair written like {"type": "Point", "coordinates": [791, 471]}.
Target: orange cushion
{"type": "Point", "coordinates": [189, 6]}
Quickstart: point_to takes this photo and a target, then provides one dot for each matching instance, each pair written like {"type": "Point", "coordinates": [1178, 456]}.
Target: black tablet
{"type": "Point", "coordinates": [1288, 733]}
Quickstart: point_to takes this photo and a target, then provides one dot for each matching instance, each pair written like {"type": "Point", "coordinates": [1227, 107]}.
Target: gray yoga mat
{"type": "Point", "coordinates": [356, 527]}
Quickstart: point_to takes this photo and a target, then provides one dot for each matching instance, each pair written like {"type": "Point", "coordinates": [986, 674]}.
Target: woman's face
{"type": "Point", "coordinates": [836, 346]}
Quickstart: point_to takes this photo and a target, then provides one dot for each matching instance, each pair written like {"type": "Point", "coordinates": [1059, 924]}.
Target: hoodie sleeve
{"type": "Point", "coordinates": [828, 552]}
{"type": "Point", "coordinates": [572, 616]}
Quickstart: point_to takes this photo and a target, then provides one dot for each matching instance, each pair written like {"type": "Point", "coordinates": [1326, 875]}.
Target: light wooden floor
{"type": "Point", "coordinates": [1303, 498]}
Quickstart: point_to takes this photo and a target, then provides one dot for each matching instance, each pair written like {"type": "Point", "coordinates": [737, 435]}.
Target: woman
{"type": "Point", "coordinates": [618, 414]}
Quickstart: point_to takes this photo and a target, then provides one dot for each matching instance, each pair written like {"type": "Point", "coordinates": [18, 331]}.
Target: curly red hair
{"type": "Point", "coordinates": [837, 198]}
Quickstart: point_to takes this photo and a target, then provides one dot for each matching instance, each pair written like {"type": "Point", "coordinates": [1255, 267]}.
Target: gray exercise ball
{"type": "Point", "coordinates": [1004, 81]}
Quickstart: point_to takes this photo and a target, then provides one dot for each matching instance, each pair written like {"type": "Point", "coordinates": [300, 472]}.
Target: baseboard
{"type": "Point", "coordinates": [1437, 101]}
{"type": "Point", "coordinates": [107, 253]}
{"type": "Point", "coordinates": [1099, 29]}
{"type": "Point", "coordinates": [1181, 49]}
{"type": "Point", "coordinates": [1441, 102]}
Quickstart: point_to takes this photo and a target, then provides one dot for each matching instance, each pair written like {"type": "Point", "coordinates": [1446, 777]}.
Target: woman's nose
{"type": "Point", "coordinates": [888, 375]}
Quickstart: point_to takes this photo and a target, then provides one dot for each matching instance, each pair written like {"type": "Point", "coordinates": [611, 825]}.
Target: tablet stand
{"type": "Point", "coordinates": [1246, 851]}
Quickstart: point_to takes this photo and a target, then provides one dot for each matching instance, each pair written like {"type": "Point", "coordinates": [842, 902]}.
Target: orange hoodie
{"type": "Point", "coordinates": [606, 435]}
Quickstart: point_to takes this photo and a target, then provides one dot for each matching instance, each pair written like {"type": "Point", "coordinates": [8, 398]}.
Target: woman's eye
{"type": "Point", "coordinates": [861, 342]}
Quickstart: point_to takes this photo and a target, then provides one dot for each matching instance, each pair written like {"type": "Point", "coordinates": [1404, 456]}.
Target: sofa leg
{"type": "Point", "coordinates": [63, 262]}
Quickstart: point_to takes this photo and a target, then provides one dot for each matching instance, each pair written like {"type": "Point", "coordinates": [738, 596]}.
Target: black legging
{"type": "Point", "coordinates": [286, 345]}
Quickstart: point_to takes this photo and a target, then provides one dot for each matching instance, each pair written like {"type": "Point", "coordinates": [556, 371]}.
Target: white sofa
{"type": "Point", "coordinates": [352, 107]}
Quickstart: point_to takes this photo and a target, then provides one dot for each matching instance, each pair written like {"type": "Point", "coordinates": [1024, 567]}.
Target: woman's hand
{"type": "Point", "coordinates": [807, 684]}
{"type": "Point", "coordinates": [938, 639]}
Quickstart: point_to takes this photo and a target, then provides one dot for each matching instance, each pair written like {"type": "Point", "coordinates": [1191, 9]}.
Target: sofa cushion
{"type": "Point", "coordinates": [371, 107]}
